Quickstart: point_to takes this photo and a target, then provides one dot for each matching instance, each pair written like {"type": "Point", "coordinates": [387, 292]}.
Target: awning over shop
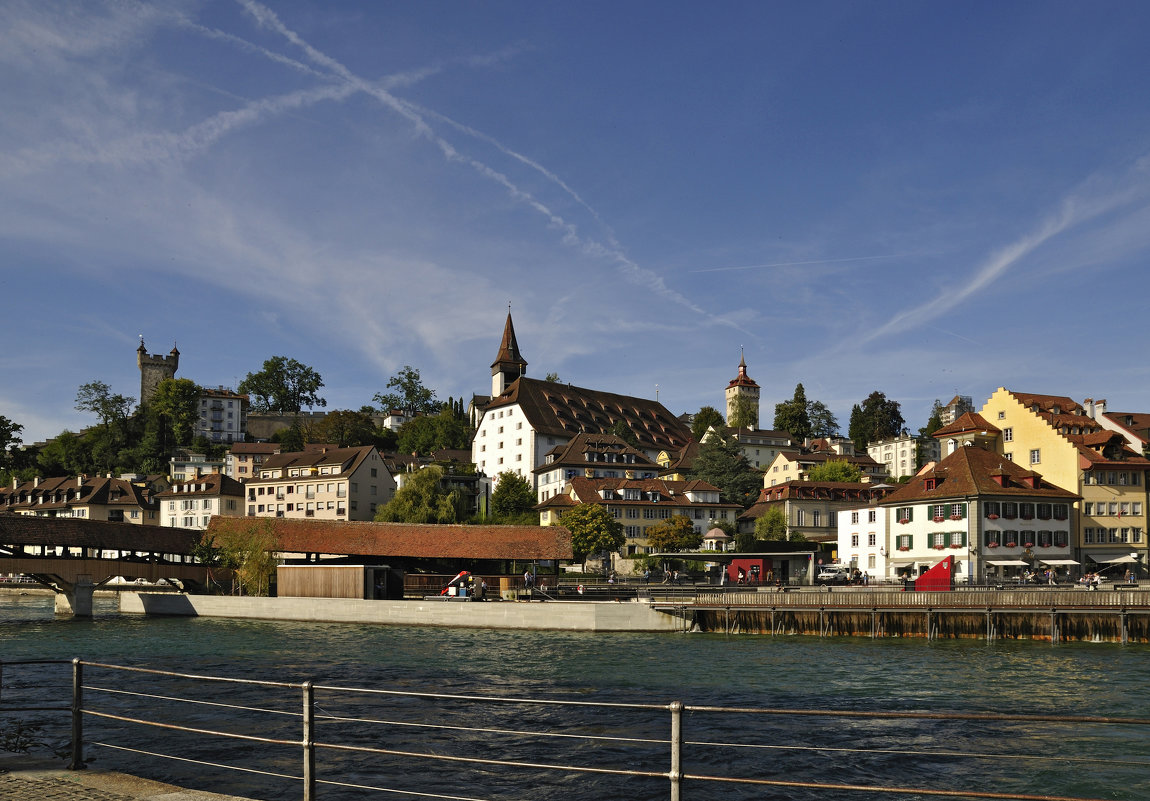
{"type": "Point", "coordinates": [1059, 562]}
{"type": "Point", "coordinates": [1007, 562]}
{"type": "Point", "coordinates": [1112, 558]}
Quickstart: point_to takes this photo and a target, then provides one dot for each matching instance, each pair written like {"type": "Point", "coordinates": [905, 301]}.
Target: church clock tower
{"type": "Point", "coordinates": [743, 398]}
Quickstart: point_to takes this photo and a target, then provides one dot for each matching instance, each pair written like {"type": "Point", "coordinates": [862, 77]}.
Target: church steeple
{"type": "Point", "coordinates": [743, 398]}
{"type": "Point", "coordinates": [509, 364]}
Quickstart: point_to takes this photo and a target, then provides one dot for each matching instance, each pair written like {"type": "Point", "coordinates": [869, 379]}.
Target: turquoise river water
{"type": "Point", "coordinates": [1035, 679]}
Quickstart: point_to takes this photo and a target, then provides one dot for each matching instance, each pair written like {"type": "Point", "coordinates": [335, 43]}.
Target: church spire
{"type": "Point", "coordinates": [509, 364]}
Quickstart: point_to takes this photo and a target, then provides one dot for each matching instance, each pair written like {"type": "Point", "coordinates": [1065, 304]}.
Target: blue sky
{"type": "Point", "coordinates": [915, 198]}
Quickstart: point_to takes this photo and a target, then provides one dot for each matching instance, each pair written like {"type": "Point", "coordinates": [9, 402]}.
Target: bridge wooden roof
{"type": "Point", "coordinates": [411, 539]}
{"type": "Point", "coordinates": [80, 533]}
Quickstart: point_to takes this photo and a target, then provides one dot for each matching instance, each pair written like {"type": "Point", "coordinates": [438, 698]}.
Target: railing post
{"type": "Point", "coordinates": [308, 741]}
{"type": "Point", "coordinates": [676, 749]}
{"type": "Point", "coordinates": [77, 715]}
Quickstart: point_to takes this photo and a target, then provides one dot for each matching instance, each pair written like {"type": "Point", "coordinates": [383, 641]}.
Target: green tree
{"type": "Point", "coordinates": [934, 422]}
{"type": "Point", "coordinates": [877, 418]}
{"type": "Point", "coordinates": [720, 462]}
{"type": "Point", "coordinates": [429, 433]}
{"type": "Point", "coordinates": [771, 526]}
{"type": "Point", "coordinates": [835, 470]}
{"type": "Point", "coordinates": [553, 378]}
{"type": "Point", "coordinates": [175, 402]}
{"type": "Point", "coordinates": [96, 397]}
{"type": "Point", "coordinates": [344, 428]}
{"type": "Point", "coordinates": [676, 533]}
{"type": "Point", "coordinates": [9, 439]}
{"type": "Point", "coordinates": [410, 395]}
{"type": "Point", "coordinates": [707, 417]}
{"type": "Point", "coordinates": [283, 386]}
{"type": "Point", "coordinates": [247, 547]}
{"type": "Point", "coordinates": [793, 416]}
{"type": "Point", "coordinates": [423, 499]}
{"type": "Point", "coordinates": [513, 499]}
{"type": "Point", "coordinates": [65, 455]}
{"type": "Point", "coordinates": [593, 530]}
{"type": "Point", "coordinates": [744, 413]}
{"type": "Point", "coordinates": [823, 422]}
{"type": "Point", "coordinates": [291, 439]}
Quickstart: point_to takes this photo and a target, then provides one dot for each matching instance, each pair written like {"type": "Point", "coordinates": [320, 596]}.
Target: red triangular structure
{"type": "Point", "coordinates": [939, 577]}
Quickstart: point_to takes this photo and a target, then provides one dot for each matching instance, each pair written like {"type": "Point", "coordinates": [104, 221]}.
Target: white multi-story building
{"type": "Point", "coordinates": [863, 539]}
{"type": "Point", "coordinates": [904, 454]}
{"type": "Point", "coordinates": [191, 504]}
{"type": "Point", "coordinates": [527, 418]}
{"type": "Point", "coordinates": [223, 415]}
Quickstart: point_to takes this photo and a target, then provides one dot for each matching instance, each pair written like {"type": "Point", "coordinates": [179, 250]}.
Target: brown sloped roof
{"type": "Point", "coordinates": [211, 484]}
{"type": "Point", "coordinates": [98, 491]}
{"type": "Point", "coordinates": [411, 539]}
{"type": "Point", "coordinates": [799, 489]}
{"type": "Point", "coordinates": [563, 410]}
{"type": "Point", "coordinates": [572, 453]}
{"type": "Point", "coordinates": [509, 347]}
{"type": "Point", "coordinates": [969, 421]}
{"type": "Point", "coordinates": [76, 531]}
{"type": "Point", "coordinates": [671, 493]}
{"type": "Point", "coordinates": [969, 471]}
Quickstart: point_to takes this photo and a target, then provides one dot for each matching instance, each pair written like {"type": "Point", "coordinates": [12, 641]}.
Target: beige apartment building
{"type": "Point", "coordinates": [325, 484]}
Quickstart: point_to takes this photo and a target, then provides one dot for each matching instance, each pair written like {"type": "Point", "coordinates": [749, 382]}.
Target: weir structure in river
{"type": "Point", "coordinates": [1055, 614]}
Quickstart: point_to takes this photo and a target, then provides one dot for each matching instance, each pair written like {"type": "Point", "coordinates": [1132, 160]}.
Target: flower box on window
{"type": "Point", "coordinates": [992, 516]}
{"type": "Point", "coordinates": [1011, 545]}
{"type": "Point", "coordinates": [939, 547]}
{"type": "Point", "coordinates": [956, 517]}
{"type": "Point", "coordinates": [904, 547]}
{"type": "Point", "coordinates": [904, 520]}
{"type": "Point", "coordinates": [992, 545]}
{"type": "Point", "coordinates": [938, 518]}
{"type": "Point", "coordinates": [1028, 545]}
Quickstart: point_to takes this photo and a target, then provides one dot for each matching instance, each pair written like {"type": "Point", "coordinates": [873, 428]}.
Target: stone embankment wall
{"type": "Point", "coordinates": [555, 615]}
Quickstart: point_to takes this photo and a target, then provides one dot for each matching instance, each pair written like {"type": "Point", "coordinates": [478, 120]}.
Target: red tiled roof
{"type": "Point", "coordinates": [571, 454]}
{"type": "Point", "coordinates": [969, 471]}
{"type": "Point", "coordinates": [411, 539]}
{"type": "Point", "coordinates": [969, 421]}
{"type": "Point", "coordinates": [212, 484]}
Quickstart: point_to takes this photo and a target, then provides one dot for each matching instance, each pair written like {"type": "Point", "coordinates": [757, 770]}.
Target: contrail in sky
{"type": "Point", "coordinates": [801, 263]}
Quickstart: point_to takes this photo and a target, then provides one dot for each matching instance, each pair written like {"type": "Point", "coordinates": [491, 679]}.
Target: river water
{"type": "Point", "coordinates": [800, 673]}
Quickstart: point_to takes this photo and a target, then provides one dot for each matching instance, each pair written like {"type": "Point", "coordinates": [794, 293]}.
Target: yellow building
{"type": "Point", "coordinates": [1054, 435]}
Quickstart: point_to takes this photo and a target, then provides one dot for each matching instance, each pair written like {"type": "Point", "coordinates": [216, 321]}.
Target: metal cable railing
{"type": "Point", "coordinates": [614, 724]}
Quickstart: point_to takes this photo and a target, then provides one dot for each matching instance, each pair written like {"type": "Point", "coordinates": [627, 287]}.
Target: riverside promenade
{"type": "Point", "coordinates": [26, 779]}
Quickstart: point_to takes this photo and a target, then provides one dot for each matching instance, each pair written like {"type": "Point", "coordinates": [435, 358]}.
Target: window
{"type": "Point", "coordinates": [904, 542]}
{"type": "Point", "coordinates": [816, 518]}
{"type": "Point", "coordinates": [905, 514]}
{"type": "Point", "coordinates": [854, 517]}
{"type": "Point", "coordinates": [1136, 534]}
{"type": "Point", "coordinates": [854, 540]}
{"type": "Point", "coordinates": [871, 516]}
{"type": "Point", "coordinates": [1045, 511]}
{"type": "Point", "coordinates": [871, 540]}
{"type": "Point", "coordinates": [1088, 509]}
{"type": "Point", "coordinates": [1045, 539]}
{"type": "Point", "coordinates": [1061, 511]}
{"type": "Point", "coordinates": [992, 509]}
{"type": "Point", "coordinates": [1002, 415]}
{"type": "Point", "coordinates": [1035, 456]}
{"type": "Point", "coordinates": [1008, 435]}
{"type": "Point", "coordinates": [1114, 535]}
{"type": "Point", "coordinates": [800, 517]}
{"type": "Point", "coordinates": [938, 539]}
{"type": "Point", "coordinates": [992, 539]}
{"type": "Point", "coordinates": [1087, 536]}
{"type": "Point", "coordinates": [1026, 511]}
{"type": "Point", "coordinates": [957, 539]}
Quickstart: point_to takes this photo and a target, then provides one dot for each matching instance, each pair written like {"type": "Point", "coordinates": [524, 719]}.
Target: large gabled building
{"type": "Point", "coordinates": [590, 456]}
{"type": "Point", "coordinates": [1055, 435]}
{"type": "Point", "coordinates": [325, 484]}
{"type": "Point", "coordinates": [193, 503]}
{"type": "Point", "coordinates": [101, 498]}
{"type": "Point", "coordinates": [640, 503]}
{"type": "Point", "coordinates": [981, 509]}
{"type": "Point", "coordinates": [811, 508]}
{"type": "Point", "coordinates": [527, 418]}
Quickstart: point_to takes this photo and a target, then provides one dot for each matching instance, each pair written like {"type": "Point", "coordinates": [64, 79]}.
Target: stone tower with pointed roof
{"type": "Point", "coordinates": [154, 369]}
{"type": "Point", "coordinates": [743, 390]}
{"type": "Point", "coordinates": [509, 364]}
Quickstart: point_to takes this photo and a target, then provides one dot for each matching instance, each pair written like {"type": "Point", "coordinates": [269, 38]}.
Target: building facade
{"type": "Point", "coordinates": [325, 484]}
{"type": "Point", "coordinates": [905, 454]}
{"type": "Point", "coordinates": [223, 416]}
{"type": "Point", "coordinates": [191, 504]}
{"type": "Point", "coordinates": [590, 456]}
{"type": "Point", "coordinates": [115, 500]}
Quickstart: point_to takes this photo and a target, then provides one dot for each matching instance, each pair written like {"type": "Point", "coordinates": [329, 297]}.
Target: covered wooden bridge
{"type": "Point", "coordinates": [74, 556]}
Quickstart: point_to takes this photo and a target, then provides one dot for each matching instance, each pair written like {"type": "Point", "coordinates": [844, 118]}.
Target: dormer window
{"type": "Point", "coordinates": [929, 483]}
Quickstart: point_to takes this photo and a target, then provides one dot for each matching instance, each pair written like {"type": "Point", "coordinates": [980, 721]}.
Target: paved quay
{"type": "Point", "coordinates": [25, 779]}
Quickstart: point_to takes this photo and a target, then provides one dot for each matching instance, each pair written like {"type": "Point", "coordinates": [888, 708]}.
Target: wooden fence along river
{"type": "Point", "coordinates": [1118, 615]}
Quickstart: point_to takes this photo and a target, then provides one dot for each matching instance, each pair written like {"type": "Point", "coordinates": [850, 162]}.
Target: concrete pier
{"type": "Point", "coordinates": [538, 615]}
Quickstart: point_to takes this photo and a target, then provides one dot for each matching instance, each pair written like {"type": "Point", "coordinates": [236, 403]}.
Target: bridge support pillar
{"type": "Point", "coordinates": [75, 598]}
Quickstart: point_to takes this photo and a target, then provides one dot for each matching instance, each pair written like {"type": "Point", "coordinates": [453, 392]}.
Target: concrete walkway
{"type": "Point", "coordinates": [24, 778]}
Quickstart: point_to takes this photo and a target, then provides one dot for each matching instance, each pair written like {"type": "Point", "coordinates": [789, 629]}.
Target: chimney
{"type": "Point", "coordinates": [36, 481]}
